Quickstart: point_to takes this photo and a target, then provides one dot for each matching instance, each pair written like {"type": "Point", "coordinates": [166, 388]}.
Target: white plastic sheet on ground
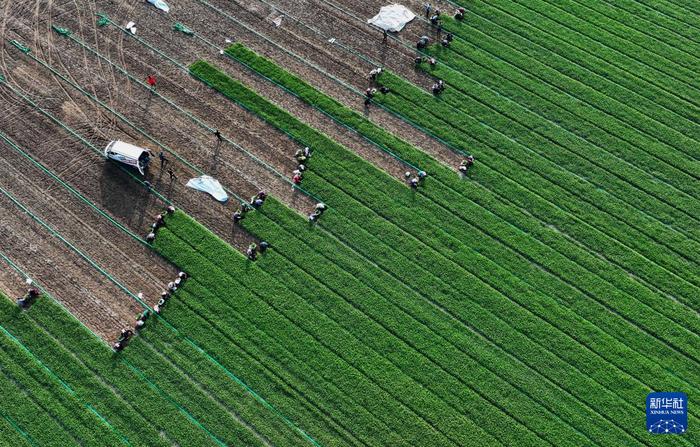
{"type": "Point", "coordinates": [392, 17]}
{"type": "Point", "coordinates": [209, 185]}
{"type": "Point", "coordinates": [160, 4]}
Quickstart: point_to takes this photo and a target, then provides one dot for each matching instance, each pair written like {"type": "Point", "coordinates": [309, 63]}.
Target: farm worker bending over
{"type": "Point", "coordinates": [422, 42]}
{"type": "Point", "coordinates": [252, 251]}
{"type": "Point", "coordinates": [26, 300]}
{"type": "Point", "coordinates": [459, 14]}
{"type": "Point", "coordinates": [125, 335]}
{"type": "Point", "coordinates": [142, 319]}
{"type": "Point", "coordinates": [237, 216]}
{"type": "Point", "coordinates": [466, 164]}
{"type": "Point", "coordinates": [374, 73]}
{"type": "Point", "coordinates": [300, 156]}
{"type": "Point", "coordinates": [258, 199]}
{"type": "Point", "coordinates": [369, 94]}
{"type": "Point", "coordinates": [264, 246]}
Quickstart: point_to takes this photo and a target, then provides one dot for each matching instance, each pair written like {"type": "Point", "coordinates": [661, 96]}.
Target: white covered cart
{"type": "Point", "coordinates": [128, 154]}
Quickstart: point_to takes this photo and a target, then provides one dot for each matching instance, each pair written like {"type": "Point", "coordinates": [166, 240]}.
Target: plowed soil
{"type": "Point", "coordinates": [257, 158]}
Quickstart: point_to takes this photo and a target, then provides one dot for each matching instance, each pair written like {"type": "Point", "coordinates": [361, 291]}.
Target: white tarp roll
{"type": "Point", "coordinates": [392, 17]}
{"type": "Point", "coordinates": [160, 4]}
{"type": "Point", "coordinates": [209, 185]}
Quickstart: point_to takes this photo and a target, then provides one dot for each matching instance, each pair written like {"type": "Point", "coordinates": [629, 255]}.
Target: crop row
{"type": "Point", "coordinates": [234, 429]}
{"type": "Point", "coordinates": [301, 394]}
{"type": "Point", "coordinates": [266, 110]}
{"type": "Point", "coordinates": [374, 312]}
{"type": "Point", "coordinates": [216, 382]}
{"type": "Point", "coordinates": [681, 50]}
{"type": "Point", "coordinates": [34, 418]}
{"type": "Point", "coordinates": [588, 79]}
{"type": "Point", "coordinates": [128, 403]}
{"type": "Point", "coordinates": [415, 104]}
{"type": "Point", "coordinates": [340, 155]}
{"type": "Point", "coordinates": [585, 36]}
{"type": "Point", "coordinates": [458, 230]}
{"type": "Point", "coordinates": [204, 389]}
{"type": "Point", "coordinates": [172, 384]}
{"type": "Point", "coordinates": [682, 11]}
{"type": "Point", "coordinates": [628, 162]}
{"type": "Point", "coordinates": [12, 434]}
{"type": "Point", "coordinates": [322, 344]}
{"type": "Point", "coordinates": [207, 414]}
{"type": "Point", "coordinates": [665, 59]}
{"type": "Point", "coordinates": [211, 252]}
{"type": "Point", "coordinates": [378, 135]}
{"type": "Point", "coordinates": [282, 271]}
{"type": "Point", "coordinates": [654, 14]}
{"type": "Point", "coordinates": [426, 324]}
{"type": "Point", "coordinates": [654, 240]}
{"type": "Point", "coordinates": [648, 114]}
{"type": "Point", "coordinates": [57, 404]}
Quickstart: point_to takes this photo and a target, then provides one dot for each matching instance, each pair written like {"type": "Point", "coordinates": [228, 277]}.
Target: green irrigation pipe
{"type": "Point", "coordinates": [180, 109]}
{"type": "Point", "coordinates": [80, 137]}
{"type": "Point", "coordinates": [325, 73]}
{"type": "Point", "coordinates": [67, 387]}
{"type": "Point", "coordinates": [255, 395]}
{"type": "Point", "coordinates": [17, 428]}
{"type": "Point", "coordinates": [187, 414]}
{"type": "Point", "coordinates": [378, 145]}
{"type": "Point", "coordinates": [75, 192]}
{"type": "Point", "coordinates": [121, 117]}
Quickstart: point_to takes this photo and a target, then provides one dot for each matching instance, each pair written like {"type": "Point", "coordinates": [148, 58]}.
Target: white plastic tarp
{"type": "Point", "coordinates": [392, 17]}
{"type": "Point", "coordinates": [209, 185]}
{"type": "Point", "coordinates": [160, 4]}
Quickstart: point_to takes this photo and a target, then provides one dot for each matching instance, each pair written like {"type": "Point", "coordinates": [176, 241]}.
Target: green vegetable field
{"type": "Point", "coordinates": [535, 301]}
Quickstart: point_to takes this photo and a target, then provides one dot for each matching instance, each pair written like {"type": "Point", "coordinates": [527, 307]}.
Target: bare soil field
{"type": "Point", "coordinates": [258, 157]}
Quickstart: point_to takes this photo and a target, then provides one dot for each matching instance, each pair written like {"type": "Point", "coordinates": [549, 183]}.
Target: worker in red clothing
{"type": "Point", "coordinates": [151, 80]}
